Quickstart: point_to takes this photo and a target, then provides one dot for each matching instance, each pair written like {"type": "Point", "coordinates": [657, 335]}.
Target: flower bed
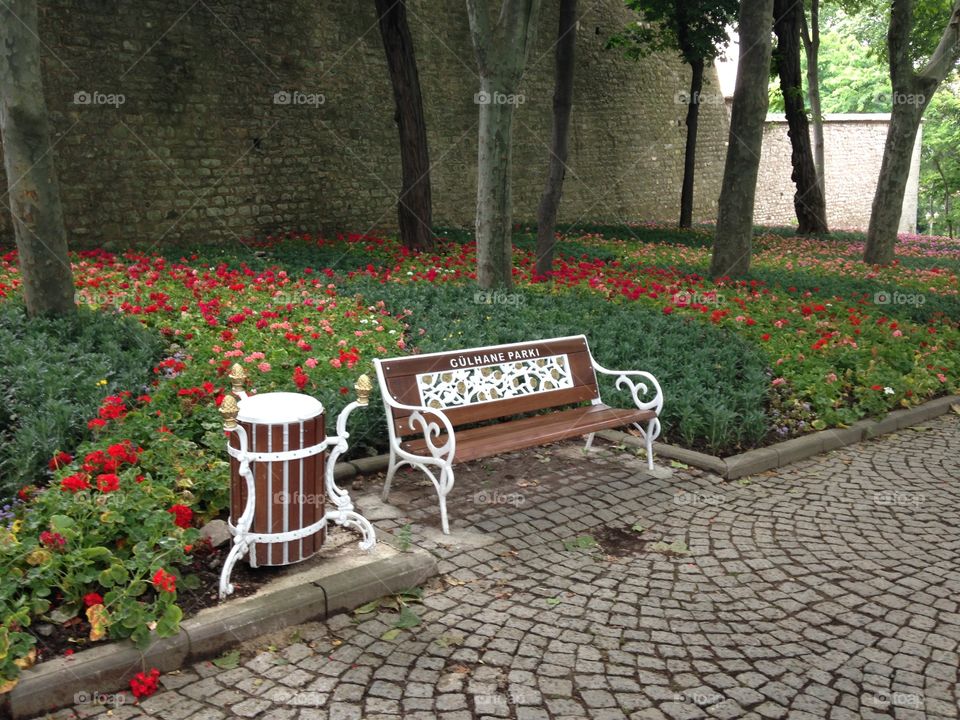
{"type": "Point", "coordinates": [101, 543]}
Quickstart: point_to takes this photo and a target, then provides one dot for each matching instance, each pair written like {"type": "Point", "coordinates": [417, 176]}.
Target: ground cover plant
{"type": "Point", "coordinates": [102, 537]}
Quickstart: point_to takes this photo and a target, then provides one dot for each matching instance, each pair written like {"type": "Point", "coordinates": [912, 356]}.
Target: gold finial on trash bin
{"type": "Point", "coordinates": [229, 410]}
{"type": "Point", "coordinates": [363, 388]}
{"type": "Point", "coordinates": [238, 377]}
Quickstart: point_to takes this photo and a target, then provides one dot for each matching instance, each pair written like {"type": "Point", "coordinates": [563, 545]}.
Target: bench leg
{"type": "Point", "coordinates": [648, 436]}
{"type": "Point", "coordinates": [589, 442]}
{"type": "Point", "coordinates": [443, 487]}
{"type": "Point", "coordinates": [391, 470]}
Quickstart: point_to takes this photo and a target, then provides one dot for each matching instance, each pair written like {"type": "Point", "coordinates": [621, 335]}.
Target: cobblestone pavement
{"type": "Point", "coordinates": [828, 589]}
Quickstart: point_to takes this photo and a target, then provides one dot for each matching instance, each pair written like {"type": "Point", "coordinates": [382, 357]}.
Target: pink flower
{"type": "Point", "coordinates": [778, 381]}
{"type": "Point", "coordinates": [311, 362]}
{"type": "Point", "coordinates": [831, 377]}
{"type": "Point", "coordinates": [264, 367]}
{"type": "Point", "coordinates": [897, 333]}
{"type": "Point", "coordinates": [941, 377]}
{"type": "Point", "coordinates": [335, 362]}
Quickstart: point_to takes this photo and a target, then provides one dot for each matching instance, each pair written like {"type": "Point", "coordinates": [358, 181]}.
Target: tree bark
{"type": "Point", "coordinates": [912, 91]}
{"type": "Point", "coordinates": [734, 235]}
{"type": "Point", "coordinates": [811, 44]}
{"type": "Point", "coordinates": [690, 151]}
{"type": "Point", "coordinates": [559, 146]}
{"type": "Point", "coordinates": [31, 175]}
{"type": "Point", "coordinates": [807, 201]}
{"type": "Point", "coordinates": [501, 49]}
{"type": "Point", "coordinates": [414, 206]}
{"type": "Point", "coordinates": [892, 184]}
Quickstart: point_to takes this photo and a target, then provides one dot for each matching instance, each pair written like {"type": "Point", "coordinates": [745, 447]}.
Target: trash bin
{"type": "Point", "coordinates": [289, 493]}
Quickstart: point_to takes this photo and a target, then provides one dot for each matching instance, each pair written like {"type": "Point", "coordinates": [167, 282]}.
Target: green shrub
{"type": "Point", "coordinates": [715, 384]}
{"type": "Point", "coordinates": [54, 374]}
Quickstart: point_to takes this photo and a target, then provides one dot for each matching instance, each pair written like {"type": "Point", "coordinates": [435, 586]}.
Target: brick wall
{"type": "Point", "coordinates": [200, 151]}
{"type": "Point", "coordinates": [853, 149]}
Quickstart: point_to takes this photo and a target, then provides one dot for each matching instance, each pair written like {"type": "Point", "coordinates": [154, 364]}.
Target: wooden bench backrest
{"type": "Point", "coordinates": [491, 382]}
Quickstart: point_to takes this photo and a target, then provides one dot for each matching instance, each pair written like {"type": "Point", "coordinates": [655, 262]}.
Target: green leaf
{"type": "Point", "coordinates": [228, 661]}
{"type": "Point", "coordinates": [95, 553]}
{"type": "Point", "coordinates": [391, 634]}
{"type": "Point", "coordinates": [169, 622]}
{"type": "Point", "coordinates": [61, 522]}
{"type": "Point", "coordinates": [407, 619]}
{"type": "Point", "coordinates": [552, 602]}
{"type": "Point", "coordinates": [679, 465]}
{"type": "Point", "coordinates": [579, 542]}
{"type": "Point", "coordinates": [637, 527]}
{"type": "Point", "coordinates": [368, 607]}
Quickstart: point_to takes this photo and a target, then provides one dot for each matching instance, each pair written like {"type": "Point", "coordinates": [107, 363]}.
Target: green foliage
{"type": "Point", "coordinates": [697, 29]}
{"type": "Point", "coordinates": [54, 374]}
{"type": "Point", "coordinates": [717, 382]}
{"type": "Point", "coordinates": [940, 161]}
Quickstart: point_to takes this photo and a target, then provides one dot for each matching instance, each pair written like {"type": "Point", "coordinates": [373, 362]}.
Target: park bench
{"type": "Point", "coordinates": [429, 399]}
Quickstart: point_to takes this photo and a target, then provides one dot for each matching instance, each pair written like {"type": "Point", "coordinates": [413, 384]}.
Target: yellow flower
{"type": "Point", "coordinates": [101, 383]}
{"type": "Point", "coordinates": [16, 527]}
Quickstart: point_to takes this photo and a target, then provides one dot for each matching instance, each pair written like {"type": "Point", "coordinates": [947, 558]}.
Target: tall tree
{"type": "Point", "coordinates": [810, 32]}
{"type": "Point", "coordinates": [31, 176]}
{"type": "Point", "coordinates": [501, 48]}
{"type": "Point", "coordinates": [914, 84]}
{"type": "Point", "coordinates": [733, 241]}
{"type": "Point", "coordinates": [414, 206]}
{"type": "Point", "coordinates": [808, 202]}
{"type": "Point", "coordinates": [697, 29]}
{"type": "Point", "coordinates": [562, 105]}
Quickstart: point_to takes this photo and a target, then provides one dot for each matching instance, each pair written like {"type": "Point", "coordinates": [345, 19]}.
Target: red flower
{"type": "Point", "coordinates": [876, 387]}
{"type": "Point", "coordinates": [300, 378]}
{"type": "Point", "coordinates": [144, 684]}
{"type": "Point", "coordinates": [91, 599]}
{"type": "Point", "coordinates": [61, 459]}
{"type": "Point", "coordinates": [75, 483]}
{"type": "Point", "coordinates": [108, 482]}
{"type": "Point", "coordinates": [183, 516]}
{"type": "Point", "coordinates": [52, 540]}
{"type": "Point", "coordinates": [765, 337]}
{"type": "Point", "coordinates": [164, 581]}
{"type": "Point", "coordinates": [667, 309]}
{"type": "Point", "coordinates": [25, 492]}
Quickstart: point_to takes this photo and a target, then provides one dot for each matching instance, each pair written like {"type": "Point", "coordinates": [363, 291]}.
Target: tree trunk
{"type": "Point", "coordinates": [501, 49]}
{"type": "Point", "coordinates": [733, 240]}
{"type": "Point", "coordinates": [807, 200]}
{"type": "Point", "coordinates": [690, 151]}
{"type": "Point", "coordinates": [562, 104]}
{"type": "Point", "coordinates": [811, 44]}
{"type": "Point", "coordinates": [31, 175]}
{"type": "Point", "coordinates": [414, 206]}
{"type": "Point", "coordinates": [912, 90]}
{"type": "Point", "coordinates": [892, 183]}
{"type": "Point", "coordinates": [494, 197]}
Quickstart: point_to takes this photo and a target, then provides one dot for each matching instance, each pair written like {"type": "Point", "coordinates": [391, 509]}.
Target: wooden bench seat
{"type": "Point", "coordinates": [434, 401]}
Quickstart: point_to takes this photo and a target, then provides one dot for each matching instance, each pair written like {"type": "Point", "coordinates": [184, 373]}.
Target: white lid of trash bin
{"type": "Point", "coordinates": [278, 408]}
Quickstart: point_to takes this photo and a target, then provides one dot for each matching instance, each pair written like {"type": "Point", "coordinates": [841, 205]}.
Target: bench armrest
{"type": "Point", "coordinates": [636, 381]}
{"type": "Point", "coordinates": [419, 416]}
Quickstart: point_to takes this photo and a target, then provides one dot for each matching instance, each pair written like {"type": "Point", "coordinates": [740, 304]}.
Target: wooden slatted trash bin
{"type": "Point", "coordinates": [290, 494]}
{"type": "Point", "coordinates": [283, 491]}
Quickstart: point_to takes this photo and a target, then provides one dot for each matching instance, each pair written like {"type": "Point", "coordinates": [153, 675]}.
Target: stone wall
{"type": "Point", "coordinates": [853, 149]}
{"type": "Point", "coordinates": [203, 149]}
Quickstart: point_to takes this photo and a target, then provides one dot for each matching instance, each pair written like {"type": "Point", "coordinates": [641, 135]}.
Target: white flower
{"type": "Point", "coordinates": [888, 391]}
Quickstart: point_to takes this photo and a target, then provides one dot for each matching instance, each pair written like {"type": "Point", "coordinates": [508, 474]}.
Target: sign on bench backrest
{"type": "Point", "coordinates": [490, 382]}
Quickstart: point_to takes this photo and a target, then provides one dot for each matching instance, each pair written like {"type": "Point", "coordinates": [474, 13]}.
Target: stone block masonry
{"type": "Point", "coordinates": [216, 121]}
{"type": "Point", "coordinates": [853, 149]}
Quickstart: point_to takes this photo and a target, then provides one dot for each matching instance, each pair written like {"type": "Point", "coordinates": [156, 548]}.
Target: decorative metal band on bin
{"type": "Point", "coordinates": [281, 477]}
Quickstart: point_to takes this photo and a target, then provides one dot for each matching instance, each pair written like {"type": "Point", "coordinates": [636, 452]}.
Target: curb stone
{"type": "Point", "coordinates": [794, 449]}
{"type": "Point", "coordinates": [108, 668]}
